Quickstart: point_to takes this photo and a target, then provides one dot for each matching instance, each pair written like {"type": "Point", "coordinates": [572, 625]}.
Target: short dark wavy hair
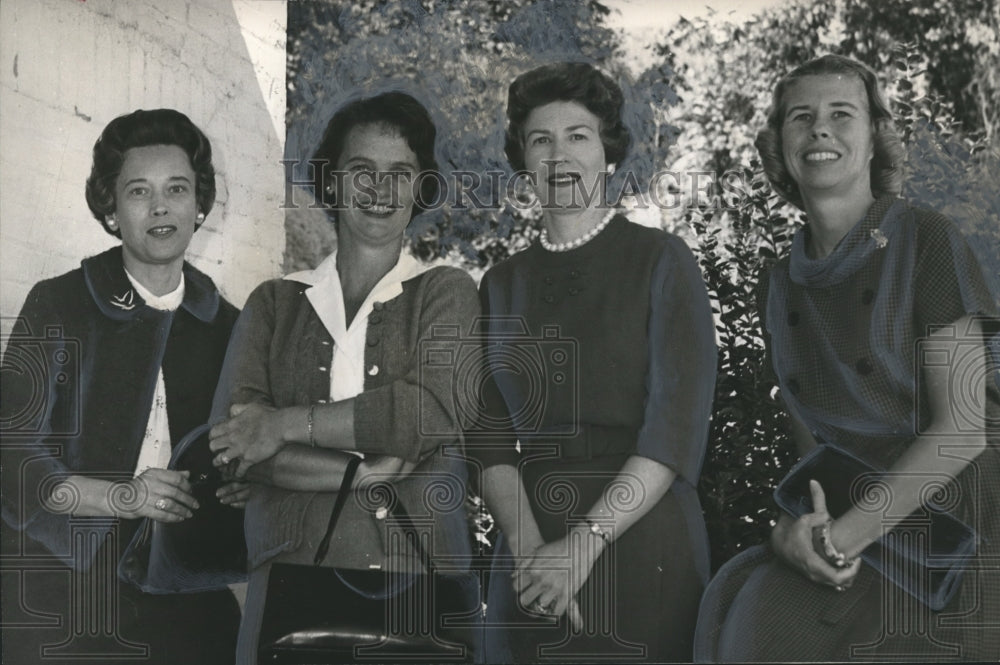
{"type": "Point", "coordinates": [566, 82]}
{"type": "Point", "coordinates": [397, 110]}
{"type": "Point", "coordinates": [887, 162]}
{"type": "Point", "coordinates": [144, 128]}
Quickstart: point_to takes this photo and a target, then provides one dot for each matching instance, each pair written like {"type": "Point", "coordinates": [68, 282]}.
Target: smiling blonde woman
{"type": "Point", "coordinates": [872, 288]}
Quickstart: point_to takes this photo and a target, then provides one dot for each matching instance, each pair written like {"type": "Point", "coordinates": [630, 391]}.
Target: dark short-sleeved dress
{"type": "Point", "coordinates": [597, 354]}
{"type": "Point", "coordinates": [844, 335]}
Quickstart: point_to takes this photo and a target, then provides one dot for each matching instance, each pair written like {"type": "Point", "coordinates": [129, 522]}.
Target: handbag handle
{"type": "Point", "coordinates": [397, 510]}
{"type": "Point", "coordinates": [338, 507]}
{"type": "Point", "coordinates": [145, 530]}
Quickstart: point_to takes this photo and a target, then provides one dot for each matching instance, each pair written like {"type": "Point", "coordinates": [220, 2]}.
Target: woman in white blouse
{"type": "Point", "coordinates": [330, 363]}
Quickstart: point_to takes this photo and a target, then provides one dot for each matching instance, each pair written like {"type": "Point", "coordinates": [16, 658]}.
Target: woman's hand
{"type": "Point", "coordinates": [253, 433]}
{"type": "Point", "coordinates": [160, 494]}
{"type": "Point", "coordinates": [234, 494]}
{"type": "Point", "coordinates": [548, 580]}
{"type": "Point", "coordinates": [792, 541]}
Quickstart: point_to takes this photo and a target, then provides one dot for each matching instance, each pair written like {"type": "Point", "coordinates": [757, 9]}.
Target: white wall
{"type": "Point", "coordinates": [68, 67]}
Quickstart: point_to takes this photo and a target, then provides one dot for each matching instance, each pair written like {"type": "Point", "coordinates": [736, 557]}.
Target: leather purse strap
{"type": "Point", "coordinates": [397, 510]}
{"type": "Point", "coordinates": [338, 507]}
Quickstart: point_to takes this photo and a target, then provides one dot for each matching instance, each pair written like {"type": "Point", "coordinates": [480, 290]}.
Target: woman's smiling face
{"type": "Point", "coordinates": [380, 170]}
{"type": "Point", "coordinates": [827, 136]}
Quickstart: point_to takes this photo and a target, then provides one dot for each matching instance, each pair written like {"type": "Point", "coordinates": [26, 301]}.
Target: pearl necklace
{"type": "Point", "coordinates": [582, 240]}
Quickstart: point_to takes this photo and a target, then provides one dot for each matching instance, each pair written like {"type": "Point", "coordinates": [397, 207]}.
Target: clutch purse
{"type": "Point", "coordinates": [204, 552]}
{"type": "Point", "coordinates": [927, 567]}
{"type": "Point", "coordinates": [315, 614]}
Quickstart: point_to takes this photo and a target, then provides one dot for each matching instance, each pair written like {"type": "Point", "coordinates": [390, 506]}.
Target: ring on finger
{"type": "Point", "coordinates": [161, 504]}
{"type": "Point", "coordinates": [541, 609]}
{"type": "Point", "coordinates": [225, 459]}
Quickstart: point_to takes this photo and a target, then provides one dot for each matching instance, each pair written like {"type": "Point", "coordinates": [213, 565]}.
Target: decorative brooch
{"type": "Point", "coordinates": [125, 301]}
{"type": "Point", "coordinates": [880, 240]}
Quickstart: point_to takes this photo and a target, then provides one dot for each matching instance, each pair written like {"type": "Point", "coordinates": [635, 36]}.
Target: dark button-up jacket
{"type": "Point", "coordinates": [79, 374]}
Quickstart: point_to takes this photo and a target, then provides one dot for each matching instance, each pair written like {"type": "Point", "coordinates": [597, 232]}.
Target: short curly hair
{"type": "Point", "coordinates": [144, 128]}
{"type": "Point", "coordinates": [398, 110]}
{"type": "Point", "coordinates": [887, 162]}
{"type": "Point", "coordinates": [566, 82]}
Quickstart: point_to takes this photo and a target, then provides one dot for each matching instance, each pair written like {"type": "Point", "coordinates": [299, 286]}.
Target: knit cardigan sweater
{"type": "Point", "coordinates": [280, 356]}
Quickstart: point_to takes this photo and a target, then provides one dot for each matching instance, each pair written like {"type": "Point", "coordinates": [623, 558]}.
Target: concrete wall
{"type": "Point", "coordinates": [68, 67]}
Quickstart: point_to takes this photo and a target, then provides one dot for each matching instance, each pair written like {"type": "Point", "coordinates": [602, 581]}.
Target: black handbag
{"type": "Point", "coordinates": [931, 573]}
{"type": "Point", "coordinates": [315, 614]}
{"type": "Point", "coordinates": [204, 552]}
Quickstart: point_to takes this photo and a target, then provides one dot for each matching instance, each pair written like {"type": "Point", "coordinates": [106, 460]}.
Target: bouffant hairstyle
{"type": "Point", "coordinates": [887, 162]}
{"type": "Point", "coordinates": [144, 128]}
{"type": "Point", "coordinates": [396, 110]}
{"type": "Point", "coordinates": [566, 82]}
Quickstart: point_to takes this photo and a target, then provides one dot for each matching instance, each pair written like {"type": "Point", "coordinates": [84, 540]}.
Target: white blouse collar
{"type": "Point", "coordinates": [167, 302]}
{"type": "Point", "coordinates": [326, 294]}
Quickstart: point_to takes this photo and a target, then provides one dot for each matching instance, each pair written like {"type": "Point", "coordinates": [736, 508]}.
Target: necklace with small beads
{"type": "Point", "coordinates": [582, 240]}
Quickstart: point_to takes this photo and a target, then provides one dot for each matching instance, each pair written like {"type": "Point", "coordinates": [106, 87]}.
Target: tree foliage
{"type": "Point", "coordinates": [458, 58]}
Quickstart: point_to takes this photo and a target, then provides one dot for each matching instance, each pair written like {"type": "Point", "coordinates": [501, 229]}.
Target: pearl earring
{"type": "Point", "coordinates": [111, 222]}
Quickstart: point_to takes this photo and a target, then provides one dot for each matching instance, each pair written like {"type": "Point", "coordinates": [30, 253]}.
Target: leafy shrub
{"type": "Point", "coordinates": [748, 449]}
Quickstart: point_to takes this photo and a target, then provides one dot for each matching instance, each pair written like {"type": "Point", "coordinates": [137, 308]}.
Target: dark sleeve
{"type": "Point", "coordinates": [682, 364]}
{"type": "Point", "coordinates": [492, 441]}
{"type": "Point", "coordinates": [949, 282]}
{"type": "Point", "coordinates": [40, 407]}
{"type": "Point", "coordinates": [769, 378]}
{"type": "Point", "coordinates": [245, 376]}
{"type": "Point", "coordinates": [413, 415]}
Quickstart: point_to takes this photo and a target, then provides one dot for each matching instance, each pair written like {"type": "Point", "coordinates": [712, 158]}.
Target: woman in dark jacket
{"type": "Point", "coordinates": [106, 368]}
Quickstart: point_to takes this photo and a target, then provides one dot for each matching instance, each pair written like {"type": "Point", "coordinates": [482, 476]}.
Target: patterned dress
{"type": "Point", "coordinates": [845, 336]}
